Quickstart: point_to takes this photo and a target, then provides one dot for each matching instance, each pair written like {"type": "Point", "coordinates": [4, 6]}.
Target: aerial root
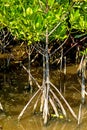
{"type": "Point", "coordinates": [59, 103]}
{"type": "Point", "coordinates": [44, 104]}
{"type": "Point", "coordinates": [54, 107]}
{"type": "Point", "coordinates": [35, 105]}
{"type": "Point", "coordinates": [80, 114]}
{"type": "Point", "coordinates": [22, 112]}
{"type": "Point", "coordinates": [69, 107]}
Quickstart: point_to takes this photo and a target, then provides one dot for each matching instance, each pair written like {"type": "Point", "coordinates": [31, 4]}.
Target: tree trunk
{"type": "Point", "coordinates": [83, 81]}
{"type": "Point", "coordinates": [47, 86]}
{"type": "Point", "coordinates": [29, 77]}
{"type": "Point", "coordinates": [43, 86]}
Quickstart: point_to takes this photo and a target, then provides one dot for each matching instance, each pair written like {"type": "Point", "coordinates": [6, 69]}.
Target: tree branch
{"type": "Point", "coordinates": [54, 29]}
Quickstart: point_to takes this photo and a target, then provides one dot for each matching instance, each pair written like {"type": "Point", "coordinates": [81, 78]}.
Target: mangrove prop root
{"type": "Point", "coordinates": [22, 112]}
{"type": "Point", "coordinates": [54, 107]}
{"type": "Point", "coordinates": [35, 105]}
{"type": "Point", "coordinates": [80, 114]}
{"type": "Point", "coordinates": [71, 110]}
{"type": "Point", "coordinates": [42, 103]}
{"type": "Point", "coordinates": [60, 104]}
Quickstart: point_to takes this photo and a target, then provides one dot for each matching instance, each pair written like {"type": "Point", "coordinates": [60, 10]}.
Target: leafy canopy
{"type": "Point", "coordinates": [28, 20]}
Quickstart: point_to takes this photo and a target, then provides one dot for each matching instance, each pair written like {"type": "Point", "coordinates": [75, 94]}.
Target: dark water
{"type": "Point", "coordinates": [14, 96]}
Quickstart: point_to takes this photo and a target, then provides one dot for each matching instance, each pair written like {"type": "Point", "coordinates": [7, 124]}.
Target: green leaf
{"type": "Point", "coordinates": [29, 11]}
{"type": "Point", "coordinates": [84, 52]}
{"type": "Point", "coordinates": [51, 2]}
{"type": "Point", "coordinates": [29, 42]}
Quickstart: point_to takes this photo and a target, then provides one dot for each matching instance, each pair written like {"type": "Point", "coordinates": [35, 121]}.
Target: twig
{"type": "Point", "coordinates": [70, 49]}
{"type": "Point", "coordinates": [54, 28]}
{"type": "Point", "coordinates": [38, 50]}
{"type": "Point", "coordinates": [58, 47]}
{"type": "Point", "coordinates": [34, 58]}
{"type": "Point", "coordinates": [57, 60]}
{"type": "Point", "coordinates": [76, 89]}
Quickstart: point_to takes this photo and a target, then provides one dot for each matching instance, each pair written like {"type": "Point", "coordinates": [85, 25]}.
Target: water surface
{"type": "Point", "coordinates": [14, 96]}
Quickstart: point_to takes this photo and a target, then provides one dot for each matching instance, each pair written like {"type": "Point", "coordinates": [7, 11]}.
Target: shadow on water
{"type": "Point", "coordinates": [14, 96]}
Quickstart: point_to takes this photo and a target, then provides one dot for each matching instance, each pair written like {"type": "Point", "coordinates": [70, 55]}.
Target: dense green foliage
{"type": "Point", "coordinates": [29, 20]}
{"type": "Point", "coordinates": [78, 16]}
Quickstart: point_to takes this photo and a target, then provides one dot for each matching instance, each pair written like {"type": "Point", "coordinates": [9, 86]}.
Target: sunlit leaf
{"type": "Point", "coordinates": [29, 11]}
{"type": "Point", "coordinates": [51, 2]}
